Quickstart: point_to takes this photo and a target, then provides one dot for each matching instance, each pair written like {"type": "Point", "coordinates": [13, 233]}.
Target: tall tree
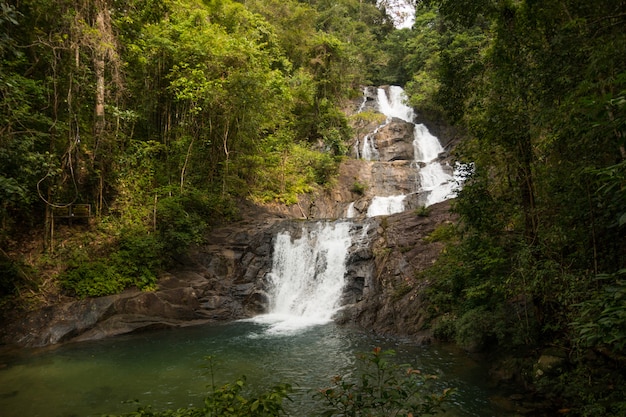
{"type": "Point", "coordinates": [539, 96]}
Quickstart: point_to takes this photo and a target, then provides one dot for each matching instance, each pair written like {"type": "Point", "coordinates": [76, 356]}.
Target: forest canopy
{"type": "Point", "coordinates": [539, 257]}
{"type": "Point", "coordinates": [178, 108]}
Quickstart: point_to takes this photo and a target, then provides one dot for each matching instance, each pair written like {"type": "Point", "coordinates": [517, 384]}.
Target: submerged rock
{"type": "Point", "coordinates": [548, 364]}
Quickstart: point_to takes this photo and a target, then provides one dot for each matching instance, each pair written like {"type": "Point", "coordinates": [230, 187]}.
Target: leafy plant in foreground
{"type": "Point", "coordinates": [383, 389]}
{"type": "Point", "coordinates": [601, 321]}
{"type": "Point", "coordinates": [135, 262]}
{"type": "Point", "coordinates": [228, 401]}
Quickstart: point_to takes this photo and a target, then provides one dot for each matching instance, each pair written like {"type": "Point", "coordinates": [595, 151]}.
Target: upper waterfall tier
{"type": "Point", "coordinates": [402, 12]}
{"type": "Point", "coordinates": [397, 164]}
{"type": "Point", "coordinates": [391, 103]}
{"type": "Point", "coordinates": [398, 145]}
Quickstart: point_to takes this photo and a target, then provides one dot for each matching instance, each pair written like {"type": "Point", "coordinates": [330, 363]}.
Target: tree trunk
{"type": "Point", "coordinates": [99, 56]}
{"type": "Point", "coordinates": [227, 161]}
{"type": "Point", "coordinates": [184, 168]}
{"type": "Point", "coordinates": [527, 188]}
{"type": "Point", "coordinates": [99, 67]}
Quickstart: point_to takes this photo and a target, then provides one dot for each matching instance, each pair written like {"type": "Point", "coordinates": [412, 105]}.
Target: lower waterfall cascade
{"type": "Point", "coordinates": [308, 276]}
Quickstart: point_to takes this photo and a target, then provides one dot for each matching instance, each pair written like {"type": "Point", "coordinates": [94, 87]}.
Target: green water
{"type": "Point", "coordinates": [165, 369]}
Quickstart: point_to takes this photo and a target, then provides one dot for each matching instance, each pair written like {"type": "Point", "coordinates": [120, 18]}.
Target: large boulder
{"type": "Point", "coordinates": [95, 318]}
{"type": "Point", "coordinates": [395, 141]}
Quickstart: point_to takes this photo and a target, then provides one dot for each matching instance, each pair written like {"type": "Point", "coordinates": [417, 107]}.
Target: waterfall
{"type": "Point", "coordinates": [307, 277]}
{"type": "Point", "coordinates": [307, 280]}
{"type": "Point", "coordinates": [402, 12]}
{"type": "Point", "coordinates": [426, 146]}
{"type": "Point", "coordinates": [383, 206]}
{"type": "Point", "coordinates": [391, 103]}
{"type": "Point", "coordinates": [439, 184]}
{"type": "Point", "coordinates": [436, 182]}
{"type": "Point", "coordinates": [434, 179]}
{"type": "Point", "coordinates": [350, 211]}
{"type": "Point", "coordinates": [369, 151]}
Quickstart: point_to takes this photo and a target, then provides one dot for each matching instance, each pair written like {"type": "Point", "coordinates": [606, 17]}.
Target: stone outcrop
{"type": "Point", "coordinates": [106, 316]}
{"type": "Point", "coordinates": [395, 141]}
{"type": "Point", "coordinates": [220, 281]}
{"type": "Point", "coordinates": [393, 300]}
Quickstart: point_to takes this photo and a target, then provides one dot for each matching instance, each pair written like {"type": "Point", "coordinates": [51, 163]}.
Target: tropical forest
{"type": "Point", "coordinates": [168, 165]}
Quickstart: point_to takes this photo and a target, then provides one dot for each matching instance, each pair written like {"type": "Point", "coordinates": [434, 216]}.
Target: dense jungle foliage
{"type": "Point", "coordinates": [538, 259]}
{"type": "Point", "coordinates": [162, 114]}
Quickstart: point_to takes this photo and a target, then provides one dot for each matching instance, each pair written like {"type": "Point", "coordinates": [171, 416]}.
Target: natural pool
{"type": "Point", "coordinates": [166, 369]}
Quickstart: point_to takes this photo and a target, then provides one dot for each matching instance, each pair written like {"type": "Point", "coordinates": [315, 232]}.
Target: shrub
{"type": "Point", "coordinates": [475, 329]}
{"type": "Point", "coordinates": [228, 400]}
{"type": "Point", "coordinates": [136, 261]}
{"type": "Point", "coordinates": [139, 257]}
{"type": "Point", "coordinates": [383, 389]}
{"type": "Point", "coordinates": [182, 220]}
{"type": "Point", "coordinates": [93, 279]}
{"type": "Point", "coordinates": [423, 211]}
{"type": "Point", "coordinates": [444, 328]}
{"type": "Point", "coordinates": [15, 275]}
{"type": "Point", "coordinates": [443, 233]}
{"type": "Point", "coordinates": [324, 167]}
{"type": "Point", "coordinates": [358, 188]}
{"type": "Point", "coordinates": [601, 320]}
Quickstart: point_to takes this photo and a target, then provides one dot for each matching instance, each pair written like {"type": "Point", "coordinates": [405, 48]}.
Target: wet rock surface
{"type": "Point", "coordinates": [393, 299]}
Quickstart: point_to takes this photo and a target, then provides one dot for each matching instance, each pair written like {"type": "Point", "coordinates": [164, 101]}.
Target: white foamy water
{"type": "Point", "coordinates": [439, 184]}
{"type": "Point", "coordinates": [308, 277]}
{"type": "Point", "coordinates": [384, 206]}
{"type": "Point", "coordinates": [369, 151]}
{"type": "Point", "coordinates": [402, 12]}
{"type": "Point", "coordinates": [391, 103]}
{"type": "Point", "coordinates": [425, 144]}
{"type": "Point", "coordinates": [350, 211]}
{"type": "Point", "coordinates": [435, 181]}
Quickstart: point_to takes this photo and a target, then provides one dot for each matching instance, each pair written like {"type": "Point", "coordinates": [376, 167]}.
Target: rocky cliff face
{"type": "Point", "coordinates": [393, 171]}
{"type": "Point", "coordinates": [226, 278]}
{"type": "Point", "coordinates": [393, 300]}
